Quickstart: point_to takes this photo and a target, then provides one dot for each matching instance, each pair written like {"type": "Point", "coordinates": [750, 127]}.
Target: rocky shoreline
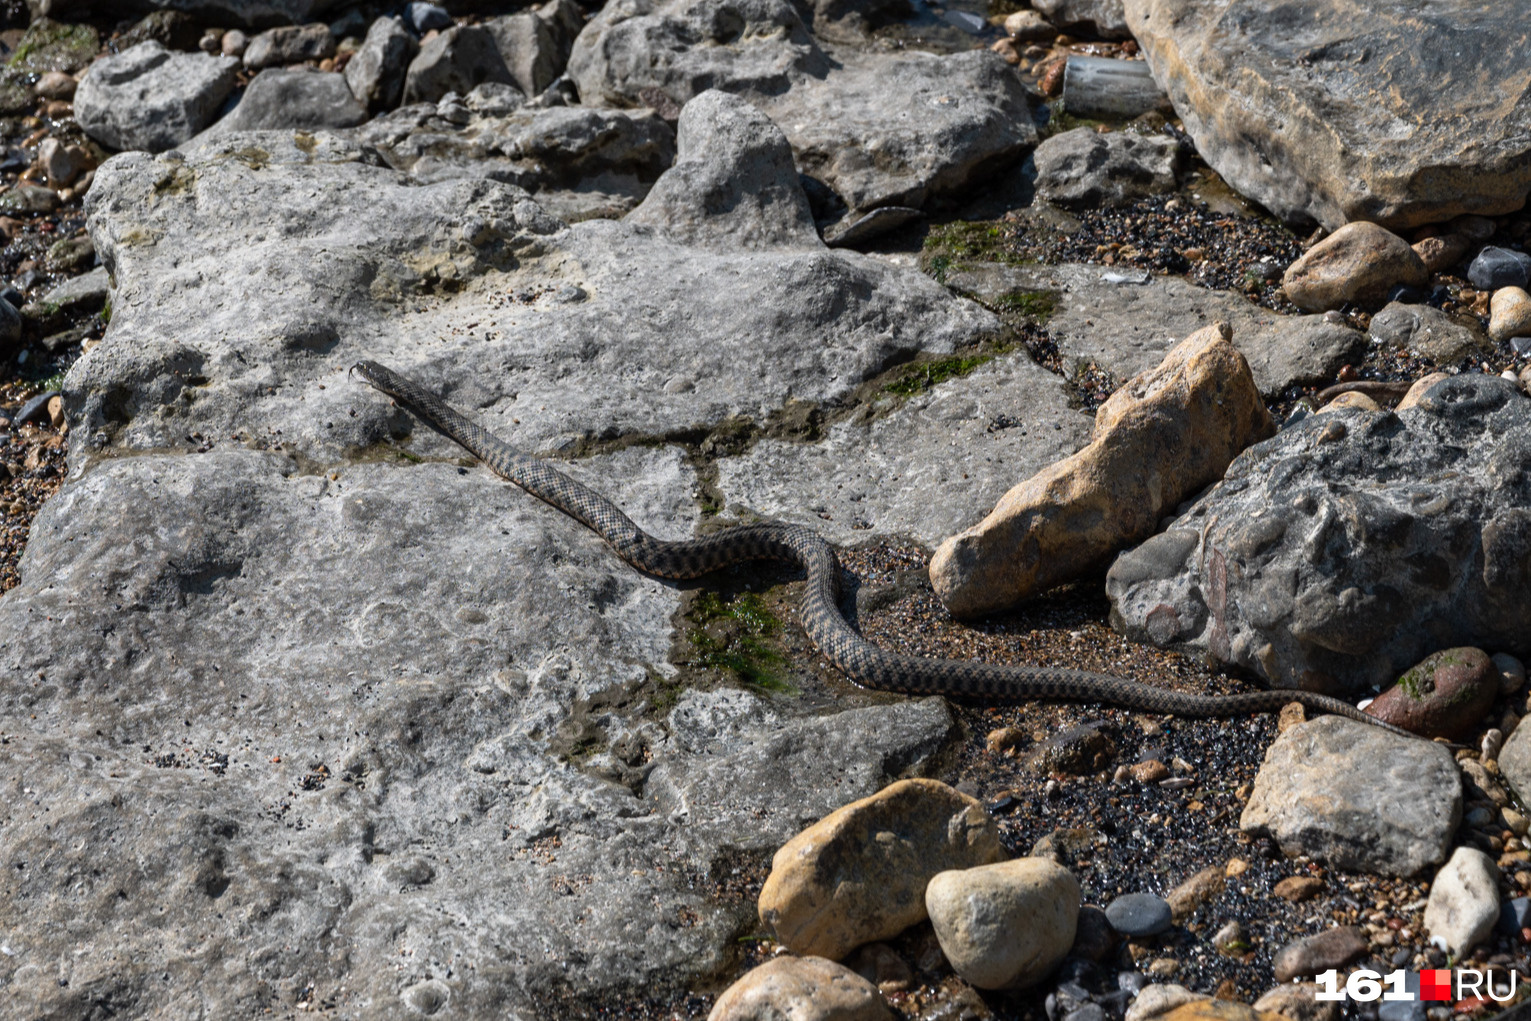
{"type": "Point", "coordinates": [302, 712]}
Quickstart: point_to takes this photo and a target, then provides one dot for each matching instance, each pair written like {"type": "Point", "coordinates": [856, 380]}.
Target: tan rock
{"type": "Point", "coordinates": [1196, 891]}
{"type": "Point", "coordinates": [1028, 26]}
{"type": "Point", "coordinates": [1004, 926]}
{"type": "Point", "coordinates": [1442, 252]}
{"type": "Point", "coordinates": [801, 989]}
{"type": "Point", "coordinates": [1219, 1010]}
{"type": "Point", "coordinates": [1419, 389]}
{"type": "Point", "coordinates": [1352, 400]}
{"type": "Point", "coordinates": [1360, 262]}
{"type": "Point", "coordinates": [1163, 436]}
{"type": "Point", "coordinates": [1296, 1002]}
{"type": "Point", "coordinates": [1298, 888]}
{"type": "Point", "coordinates": [1159, 999]}
{"type": "Point", "coordinates": [859, 874]}
{"type": "Point", "coordinates": [1509, 313]}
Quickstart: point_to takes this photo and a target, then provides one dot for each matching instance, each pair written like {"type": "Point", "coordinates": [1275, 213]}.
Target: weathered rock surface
{"type": "Point", "coordinates": [1207, 1009]}
{"type": "Point", "coordinates": [1360, 263]}
{"type": "Point", "coordinates": [1006, 925]}
{"type": "Point", "coordinates": [1102, 17]}
{"type": "Point", "coordinates": [1127, 328]}
{"type": "Point", "coordinates": [457, 60]}
{"type": "Point", "coordinates": [150, 98]}
{"type": "Point", "coordinates": [1509, 314]}
{"type": "Point", "coordinates": [1354, 796]}
{"type": "Point", "coordinates": [447, 717]}
{"type": "Point", "coordinates": [300, 100]}
{"type": "Point", "coordinates": [733, 186]}
{"type": "Point", "coordinates": [376, 72]}
{"type": "Point", "coordinates": [1157, 440]}
{"type": "Point", "coordinates": [1344, 550]}
{"type": "Point", "coordinates": [1464, 901]}
{"type": "Point", "coordinates": [238, 13]}
{"type": "Point", "coordinates": [290, 44]}
{"type": "Point", "coordinates": [1515, 762]}
{"type": "Point", "coordinates": [1085, 167]}
{"type": "Point", "coordinates": [1333, 111]}
{"type": "Point", "coordinates": [1296, 1001]}
{"type": "Point", "coordinates": [860, 873]}
{"type": "Point", "coordinates": [1332, 948]}
{"type": "Point", "coordinates": [530, 48]}
{"type": "Point", "coordinates": [1428, 332]}
{"type": "Point", "coordinates": [800, 989]}
{"type": "Point", "coordinates": [1445, 695]}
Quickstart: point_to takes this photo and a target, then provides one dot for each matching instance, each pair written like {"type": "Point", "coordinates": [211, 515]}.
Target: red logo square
{"type": "Point", "coordinates": [1435, 984]}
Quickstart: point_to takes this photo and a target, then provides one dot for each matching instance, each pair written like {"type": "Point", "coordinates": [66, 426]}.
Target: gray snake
{"type": "Point", "coordinates": [865, 663]}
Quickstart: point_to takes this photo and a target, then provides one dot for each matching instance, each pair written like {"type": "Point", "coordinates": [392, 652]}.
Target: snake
{"type": "Point", "coordinates": [865, 663]}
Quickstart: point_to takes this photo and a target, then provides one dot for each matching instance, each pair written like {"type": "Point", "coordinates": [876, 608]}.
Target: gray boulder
{"type": "Point", "coordinates": [150, 98]}
{"type": "Point", "coordinates": [529, 45]}
{"type": "Point", "coordinates": [302, 100]}
{"type": "Point", "coordinates": [1104, 18]}
{"type": "Point", "coordinates": [1084, 167]}
{"type": "Point", "coordinates": [1336, 111]}
{"type": "Point", "coordinates": [290, 44]}
{"type": "Point", "coordinates": [1355, 797]}
{"type": "Point", "coordinates": [1346, 548]}
{"type": "Point", "coordinates": [684, 47]}
{"type": "Point", "coordinates": [454, 61]}
{"type": "Point", "coordinates": [1428, 332]}
{"type": "Point", "coordinates": [375, 73]}
{"type": "Point", "coordinates": [733, 185]}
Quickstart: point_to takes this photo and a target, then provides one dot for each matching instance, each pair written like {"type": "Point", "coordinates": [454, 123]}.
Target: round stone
{"type": "Point", "coordinates": [1139, 914]}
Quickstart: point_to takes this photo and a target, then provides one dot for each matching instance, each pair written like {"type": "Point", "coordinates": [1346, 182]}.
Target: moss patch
{"type": "Point", "coordinates": [918, 377]}
{"type": "Point", "coordinates": [54, 46]}
{"type": "Point", "coordinates": [735, 635]}
{"type": "Point", "coordinates": [1036, 306]}
{"type": "Point", "coordinates": [952, 246]}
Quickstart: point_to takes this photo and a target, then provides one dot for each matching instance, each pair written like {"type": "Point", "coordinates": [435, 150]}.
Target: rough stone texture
{"type": "Point", "coordinates": [478, 677]}
{"type": "Point", "coordinates": [684, 47]}
{"type": "Point", "coordinates": [1515, 762]}
{"type": "Point", "coordinates": [1357, 797]}
{"type": "Point", "coordinates": [801, 989]}
{"type": "Point", "coordinates": [1127, 328]}
{"type": "Point", "coordinates": [237, 13]}
{"type": "Point", "coordinates": [1295, 1001]}
{"type": "Point", "coordinates": [1084, 167]}
{"type": "Point", "coordinates": [84, 293]}
{"type": "Point", "coordinates": [1333, 948]}
{"type": "Point", "coordinates": [151, 98]}
{"type": "Point", "coordinates": [1157, 440]}
{"type": "Point", "coordinates": [1464, 901]}
{"type": "Point", "coordinates": [1446, 695]}
{"type": "Point", "coordinates": [895, 130]}
{"type": "Point", "coordinates": [579, 162]}
{"type": "Point", "coordinates": [297, 100]}
{"type": "Point", "coordinates": [860, 873]}
{"type": "Point", "coordinates": [1442, 252]}
{"type": "Point", "coordinates": [530, 48]}
{"type": "Point", "coordinates": [1509, 313]}
{"type": "Point", "coordinates": [733, 185]}
{"type": "Point", "coordinates": [1006, 925]}
{"type": "Point", "coordinates": [290, 44]}
{"type": "Point", "coordinates": [1159, 999]}
{"type": "Point", "coordinates": [1344, 550]}
{"type": "Point", "coordinates": [1102, 17]}
{"type": "Point", "coordinates": [1360, 263]}
{"type": "Point", "coordinates": [375, 73]}
{"type": "Point", "coordinates": [454, 61]}
{"type": "Point", "coordinates": [1333, 111]}
{"type": "Point", "coordinates": [1428, 332]}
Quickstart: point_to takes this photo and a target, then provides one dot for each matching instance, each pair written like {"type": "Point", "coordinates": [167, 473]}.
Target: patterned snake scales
{"type": "Point", "coordinates": [859, 659]}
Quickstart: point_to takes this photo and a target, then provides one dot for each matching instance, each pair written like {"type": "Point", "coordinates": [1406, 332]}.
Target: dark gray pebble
{"type": "Point", "coordinates": [1139, 914]}
{"type": "Point", "coordinates": [1514, 915]}
{"type": "Point", "coordinates": [1499, 267]}
{"type": "Point", "coordinates": [1089, 1012]}
{"type": "Point", "coordinates": [35, 410]}
{"type": "Point", "coordinates": [424, 17]}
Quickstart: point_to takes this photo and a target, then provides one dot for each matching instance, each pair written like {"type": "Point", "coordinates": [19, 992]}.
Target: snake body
{"type": "Point", "coordinates": [865, 663]}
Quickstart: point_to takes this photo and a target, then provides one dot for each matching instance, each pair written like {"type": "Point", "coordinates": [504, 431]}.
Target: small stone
{"type": "Point", "coordinates": [1066, 845]}
{"type": "Point", "coordinates": [59, 163]}
{"type": "Point", "coordinates": [1488, 749]}
{"type": "Point", "coordinates": [1007, 50]}
{"type": "Point", "coordinates": [1290, 716]}
{"type": "Point", "coordinates": [1512, 673]}
{"type": "Point", "coordinates": [1427, 332]}
{"type": "Point", "coordinates": [1151, 771]}
{"type": "Point", "coordinates": [1495, 268]}
{"type": "Point", "coordinates": [800, 989]}
{"type": "Point", "coordinates": [1332, 948]}
{"type": "Point", "coordinates": [881, 965]}
{"type": "Point", "coordinates": [424, 17]}
{"type": "Point", "coordinates": [1236, 867]}
{"type": "Point", "coordinates": [1464, 901]}
{"type": "Point", "coordinates": [1231, 938]}
{"type": "Point", "coordinates": [1139, 914]}
{"type": "Point", "coordinates": [1085, 168]}
{"type": "Point", "coordinates": [234, 43]}
{"type": "Point", "coordinates": [1159, 999]}
{"type": "Point", "coordinates": [1078, 751]}
{"type": "Point", "coordinates": [29, 198]}
{"type": "Point", "coordinates": [1509, 313]}
{"type": "Point", "coordinates": [1219, 1010]}
{"type": "Point", "coordinates": [1196, 891]}
{"type": "Point", "coordinates": [859, 874]}
{"type": "Point", "coordinates": [1419, 389]}
{"type": "Point", "coordinates": [1441, 252]}
{"type": "Point", "coordinates": [1094, 939]}
{"type": "Point", "coordinates": [1476, 229]}
{"type": "Point", "coordinates": [1028, 26]}
{"type": "Point", "coordinates": [56, 85]}
{"type": "Point", "coordinates": [1006, 925]}
{"type": "Point", "coordinates": [1163, 967]}
{"type": "Point", "coordinates": [1360, 263]}
{"type": "Point", "coordinates": [1297, 1001]}
{"type": "Point", "coordinates": [289, 44]}
{"type": "Point", "coordinates": [1514, 915]}
{"type": "Point", "coordinates": [1005, 739]}
{"type": "Point", "coordinates": [1298, 888]}
{"type": "Point", "coordinates": [56, 411]}
{"type": "Point", "coordinates": [1445, 695]}
{"type": "Point", "coordinates": [1351, 400]}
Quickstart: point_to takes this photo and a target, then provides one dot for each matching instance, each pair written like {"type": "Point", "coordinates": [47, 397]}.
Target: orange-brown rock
{"type": "Point", "coordinates": [859, 874]}
{"type": "Point", "coordinates": [1445, 695]}
{"type": "Point", "coordinates": [1360, 262]}
{"type": "Point", "coordinates": [1219, 1010]}
{"type": "Point", "coordinates": [1164, 435]}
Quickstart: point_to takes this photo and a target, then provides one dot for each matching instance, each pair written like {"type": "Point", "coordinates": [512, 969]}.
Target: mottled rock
{"type": "Point", "coordinates": [1199, 889]}
{"type": "Point", "coordinates": [859, 874]}
{"type": "Point", "coordinates": [1360, 263]}
{"type": "Point", "coordinates": [1445, 695]}
{"type": "Point", "coordinates": [1350, 568]}
{"type": "Point", "coordinates": [1079, 750]}
{"type": "Point", "coordinates": [1333, 111]}
{"type": "Point", "coordinates": [530, 48]}
{"type": "Point", "coordinates": [800, 989]}
{"type": "Point", "coordinates": [1428, 332]}
{"type": "Point", "coordinates": [375, 73]}
{"type": "Point", "coordinates": [1509, 313]}
{"type": "Point", "coordinates": [1088, 168]}
{"type": "Point", "coordinates": [299, 100]}
{"type": "Point", "coordinates": [1332, 948]}
{"type": "Point", "coordinates": [1104, 18]}
{"type": "Point", "coordinates": [454, 61]}
{"type": "Point", "coordinates": [53, 43]}
{"type": "Point", "coordinates": [1161, 437]}
{"type": "Point", "coordinates": [151, 98]}
{"type": "Point", "coordinates": [1356, 797]}
{"type": "Point", "coordinates": [1006, 925]}
{"type": "Point", "coordinates": [1295, 1001]}
{"type": "Point", "coordinates": [1441, 252]}
{"type": "Point", "coordinates": [289, 44]}
{"type": "Point", "coordinates": [733, 184]}
{"type": "Point", "coordinates": [1464, 901]}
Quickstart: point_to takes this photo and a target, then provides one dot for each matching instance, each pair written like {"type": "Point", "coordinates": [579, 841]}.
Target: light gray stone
{"type": "Point", "coordinates": [1345, 549]}
{"type": "Point", "coordinates": [530, 48]}
{"type": "Point", "coordinates": [294, 100]}
{"type": "Point", "coordinates": [454, 61]}
{"type": "Point", "coordinates": [1102, 17]}
{"type": "Point", "coordinates": [1355, 797]}
{"type": "Point", "coordinates": [1515, 762]}
{"type": "Point", "coordinates": [151, 98]}
{"type": "Point", "coordinates": [375, 73]}
{"type": "Point", "coordinates": [86, 292]}
{"type": "Point", "coordinates": [1088, 168]}
{"type": "Point", "coordinates": [289, 44]}
{"type": "Point", "coordinates": [1428, 332]}
{"type": "Point", "coordinates": [1006, 925]}
{"type": "Point", "coordinates": [1464, 901]}
{"type": "Point", "coordinates": [733, 185]}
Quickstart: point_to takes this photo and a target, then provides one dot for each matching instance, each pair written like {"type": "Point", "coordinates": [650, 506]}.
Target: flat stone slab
{"type": "Point", "coordinates": [1333, 110]}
